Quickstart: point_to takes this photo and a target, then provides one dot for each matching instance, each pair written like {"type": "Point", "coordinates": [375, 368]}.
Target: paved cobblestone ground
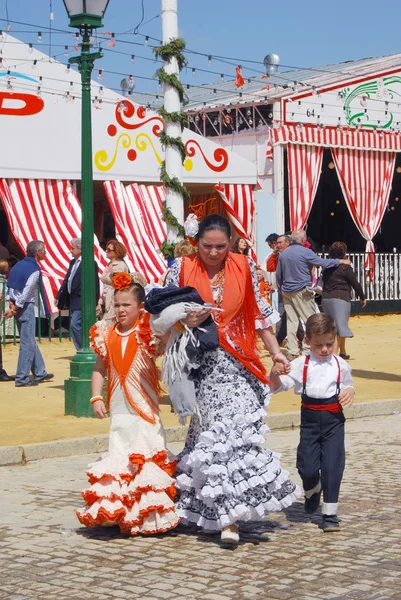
{"type": "Point", "coordinates": [46, 555]}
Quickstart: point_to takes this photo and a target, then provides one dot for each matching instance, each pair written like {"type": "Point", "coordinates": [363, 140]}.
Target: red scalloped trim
{"type": "Point", "coordinates": [127, 477]}
{"type": "Point", "coordinates": [90, 496]}
{"type": "Point", "coordinates": [102, 517]}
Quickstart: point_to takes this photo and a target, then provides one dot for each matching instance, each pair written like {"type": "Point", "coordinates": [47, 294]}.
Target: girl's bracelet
{"type": "Point", "coordinates": [96, 399]}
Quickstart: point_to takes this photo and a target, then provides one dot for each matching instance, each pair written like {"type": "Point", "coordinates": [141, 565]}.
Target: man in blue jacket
{"type": "Point", "coordinates": [69, 294]}
{"type": "Point", "coordinates": [22, 286]}
{"type": "Point", "coordinates": [294, 280]}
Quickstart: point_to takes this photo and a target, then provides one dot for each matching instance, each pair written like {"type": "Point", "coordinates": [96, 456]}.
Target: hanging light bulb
{"type": "Point", "coordinates": [222, 77]}
{"type": "Point", "coordinates": [71, 85]}
{"type": "Point", "coordinates": [160, 83]}
{"type": "Point", "coordinates": [188, 86]}
{"type": "Point", "coordinates": [30, 49]}
{"type": "Point", "coordinates": [197, 118]}
{"type": "Point", "coordinates": [101, 90]}
{"type": "Point", "coordinates": [193, 72]}
{"type": "Point", "coordinates": [100, 73]}
{"type": "Point", "coordinates": [35, 62]}
{"type": "Point", "coordinates": [66, 50]}
{"type": "Point", "coordinates": [214, 91]}
{"type": "Point", "coordinates": [132, 58]}
{"type": "Point", "coordinates": [1, 35]}
{"type": "Point", "coordinates": [146, 40]}
{"type": "Point", "coordinates": [68, 67]}
{"type": "Point", "coordinates": [39, 91]}
{"type": "Point", "coordinates": [248, 112]}
{"type": "Point", "coordinates": [67, 96]}
{"type": "Point", "coordinates": [250, 121]}
{"type": "Point", "coordinates": [209, 59]}
{"type": "Point", "coordinates": [9, 87]}
{"type": "Point", "coordinates": [39, 36]}
{"type": "Point", "coordinates": [215, 122]}
{"type": "Point", "coordinates": [240, 121]}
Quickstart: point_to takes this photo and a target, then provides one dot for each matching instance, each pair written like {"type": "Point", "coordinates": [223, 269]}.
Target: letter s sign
{"type": "Point", "coordinates": [25, 104]}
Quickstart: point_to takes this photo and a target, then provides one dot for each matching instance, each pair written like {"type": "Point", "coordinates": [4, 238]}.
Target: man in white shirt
{"type": "Point", "coordinates": [324, 382]}
{"type": "Point", "coordinates": [22, 285]}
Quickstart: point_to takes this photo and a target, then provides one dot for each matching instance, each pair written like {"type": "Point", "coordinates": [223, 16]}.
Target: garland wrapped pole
{"type": "Point", "coordinates": [171, 173]}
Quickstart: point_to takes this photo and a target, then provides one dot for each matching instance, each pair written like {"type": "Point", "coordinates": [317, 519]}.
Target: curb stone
{"type": "Point", "coordinates": [24, 453]}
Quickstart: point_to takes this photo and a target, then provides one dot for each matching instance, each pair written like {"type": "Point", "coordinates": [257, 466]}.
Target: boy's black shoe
{"type": "Point", "coordinates": [312, 504]}
{"type": "Point", "coordinates": [330, 523]}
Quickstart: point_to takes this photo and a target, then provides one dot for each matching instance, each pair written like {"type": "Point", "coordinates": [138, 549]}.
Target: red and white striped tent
{"type": "Point", "coordinates": [40, 161]}
{"type": "Point", "coordinates": [359, 120]}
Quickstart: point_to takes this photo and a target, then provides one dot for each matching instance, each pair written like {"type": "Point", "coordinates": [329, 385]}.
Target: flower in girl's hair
{"type": "Point", "coordinates": [121, 281]}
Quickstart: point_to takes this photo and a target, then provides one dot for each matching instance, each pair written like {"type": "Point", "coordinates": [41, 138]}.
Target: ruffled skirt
{"type": "Point", "coordinates": [224, 473]}
{"type": "Point", "coordinates": [132, 485]}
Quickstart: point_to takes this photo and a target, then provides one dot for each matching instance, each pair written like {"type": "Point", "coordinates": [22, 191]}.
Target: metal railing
{"type": "Point", "coordinates": [384, 284]}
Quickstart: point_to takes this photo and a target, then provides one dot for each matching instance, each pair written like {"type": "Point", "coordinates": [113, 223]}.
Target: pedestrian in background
{"type": "Point", "coordinates": [294, 280]}
{"type": "Point", "coordinates": [22, 285]}
{"type": "Point", "coordinates": [4, 269]}
{"type": "Point", "coordinates": [336, 296]}
{"type": "Point", "coordinates": [241, 246]}
{"type": "Point", "coordinates": [115, 252]}
{"type": "Point", "coordinates": [69, 294]}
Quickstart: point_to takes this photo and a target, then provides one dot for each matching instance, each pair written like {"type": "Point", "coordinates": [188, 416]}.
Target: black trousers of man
{"type": "Point", "coordinates": [321, 450]}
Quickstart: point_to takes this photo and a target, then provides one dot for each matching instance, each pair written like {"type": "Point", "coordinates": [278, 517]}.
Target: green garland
{"type": "Point", "coordinates": [173, 49]}
{"type": "Point", "coordinates": [168, 140]}
{"type": "Point", "coordinates": [174, 117]}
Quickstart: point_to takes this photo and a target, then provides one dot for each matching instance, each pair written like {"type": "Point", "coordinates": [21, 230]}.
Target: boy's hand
{"type": "Point", "coordinates": [346, 396]}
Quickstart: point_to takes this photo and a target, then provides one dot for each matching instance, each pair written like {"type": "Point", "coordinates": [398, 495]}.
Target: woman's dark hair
{"type": "Point", "coordinates": [214, 223]}
{"type": "Point", "coordinates": [138, 290]}
{"type": "Point", "coordinates": [272, 237]}
{"type": "Point", "coordinates": [338, 250]}
{"type": "Point", "coordinates": [236, 249]}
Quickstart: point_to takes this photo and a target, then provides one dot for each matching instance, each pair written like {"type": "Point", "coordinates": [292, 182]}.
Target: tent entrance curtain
{"type": "Point", "coordinates": [48, 210]}
{"type": "Point", "coordinates": [304, 167]}
{"type": "Point", "coordinates": [365, 177]}
{"type": "Point", "coordinates": [137, 213]}
{"type": "Point", "coordinates": [239, 203]}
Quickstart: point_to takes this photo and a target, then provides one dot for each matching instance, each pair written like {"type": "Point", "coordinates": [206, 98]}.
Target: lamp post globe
{"type": "Point", "coordinates": [85, 15]}
{"type": "Point", "coordinates": [86, 12]}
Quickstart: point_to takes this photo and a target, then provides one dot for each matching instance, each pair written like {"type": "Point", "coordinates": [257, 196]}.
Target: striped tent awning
{"type": "Point", "coordinates": [333, 137]}
{"type": "Point", "coordinates": [48, 210]}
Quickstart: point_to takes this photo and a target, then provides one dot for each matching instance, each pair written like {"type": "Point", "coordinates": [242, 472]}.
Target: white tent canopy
{"type": "Point", "coordinates": [40, 116]}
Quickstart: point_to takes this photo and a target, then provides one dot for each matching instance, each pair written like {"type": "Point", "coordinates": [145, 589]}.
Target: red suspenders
{"type": "Point", "coordinates": [336, 407]}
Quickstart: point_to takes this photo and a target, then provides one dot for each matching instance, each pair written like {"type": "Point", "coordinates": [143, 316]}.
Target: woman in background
{"type": "Point", "coordinates": [336, 295]}
{"type": "Point", "coordinates": [241, 246]}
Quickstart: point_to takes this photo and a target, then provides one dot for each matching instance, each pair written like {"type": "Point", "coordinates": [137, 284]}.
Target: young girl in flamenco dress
{"type": "Point", "coordinates": [131, 486]}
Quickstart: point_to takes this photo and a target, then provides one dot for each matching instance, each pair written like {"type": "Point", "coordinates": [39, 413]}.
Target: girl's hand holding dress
{"type": "Point", "coordinates": [99, 409]}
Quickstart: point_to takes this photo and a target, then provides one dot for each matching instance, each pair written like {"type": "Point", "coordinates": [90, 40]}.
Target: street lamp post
{"type": "Point", "coordinates": [85, 15]}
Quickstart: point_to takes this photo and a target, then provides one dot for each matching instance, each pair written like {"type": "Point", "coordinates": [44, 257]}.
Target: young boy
{"type": "Point", "coordinates": [324, 382]}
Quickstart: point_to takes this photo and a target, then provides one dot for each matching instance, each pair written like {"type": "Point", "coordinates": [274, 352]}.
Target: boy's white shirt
{"type": "Point", "coordinates": [322, 376]}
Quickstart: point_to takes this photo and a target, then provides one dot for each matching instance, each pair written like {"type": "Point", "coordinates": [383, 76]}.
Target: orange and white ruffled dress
{"type": "Point", "coordinates": [132, 484]}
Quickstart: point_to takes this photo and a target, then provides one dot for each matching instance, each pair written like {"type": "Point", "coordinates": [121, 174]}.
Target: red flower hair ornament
{"type": "Point", "coordinates": [121, 281]}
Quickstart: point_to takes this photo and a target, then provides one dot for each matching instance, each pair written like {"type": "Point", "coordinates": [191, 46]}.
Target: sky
{"type": "Point", "coordinates": [304, 34]}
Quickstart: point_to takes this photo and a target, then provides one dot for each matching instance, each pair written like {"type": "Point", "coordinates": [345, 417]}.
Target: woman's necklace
{"type": "Point", "coordinates": [124, 333]}
{"type": "Point", "coordinates": [217, 284]}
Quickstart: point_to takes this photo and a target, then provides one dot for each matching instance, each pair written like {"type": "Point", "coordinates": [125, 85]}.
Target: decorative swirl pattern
{"type": "Point", "coordinates": [127, 109]}
{"type": "Point", "coordinates": [220, 156]}
{"type": "Point", "coordinates": [141, 145]}
{"type": "Point", "coordinates": [101, 157]}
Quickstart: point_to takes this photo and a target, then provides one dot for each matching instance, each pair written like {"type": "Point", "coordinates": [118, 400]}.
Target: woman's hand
{"type": "Point", "coordinates": [99, 409]}
{"type": "Point", "coordinates": [346, 396]}
{"type": "Point", "coordinates": [196, 317]}
{"type": "Point", "coordinates": [363, 303]}
{"type": "Point", "coordinates": [282, 360]}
